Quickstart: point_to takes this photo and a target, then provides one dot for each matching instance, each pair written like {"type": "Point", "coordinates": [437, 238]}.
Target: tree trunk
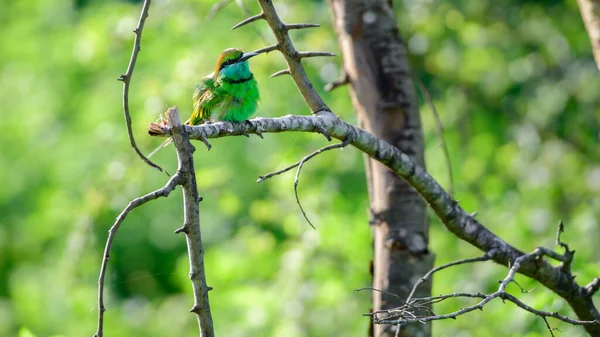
{"type": "Point", "coordinates": [383, 95]}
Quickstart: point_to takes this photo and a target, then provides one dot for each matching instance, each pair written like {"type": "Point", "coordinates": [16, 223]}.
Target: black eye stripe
{"type": "Point", "coordinates": [228, 62]}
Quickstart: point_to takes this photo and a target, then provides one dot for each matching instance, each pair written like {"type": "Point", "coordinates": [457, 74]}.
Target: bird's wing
{"type": "Point", "coordinates": [202, 95]}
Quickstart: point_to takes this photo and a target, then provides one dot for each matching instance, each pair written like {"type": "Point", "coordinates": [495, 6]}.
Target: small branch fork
{"type": "Point", "coordinates": [292, 56]}
{"type": "Point", "coordinates": [175, 180]}
{"type": "Point", "coordinates": [185, 177]}
{"type": "Point", "coordinates": [126, 79]}
{"type": "Point", "coordinates": [409, 311]}
{"type": "Point", "coordinates": [299, 165]}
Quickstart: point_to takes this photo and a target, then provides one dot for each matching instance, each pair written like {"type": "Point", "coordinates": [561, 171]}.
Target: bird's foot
{"type": "Point", "coordinates": [258, 130]}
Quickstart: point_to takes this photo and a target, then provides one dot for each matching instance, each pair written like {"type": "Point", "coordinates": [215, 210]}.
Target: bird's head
{"type": "Point", "coordinates": [230, 57]}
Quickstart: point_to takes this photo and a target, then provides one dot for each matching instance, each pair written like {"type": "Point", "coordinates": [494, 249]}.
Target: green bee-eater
{"type": "Point", "coordinates": [229, 93]}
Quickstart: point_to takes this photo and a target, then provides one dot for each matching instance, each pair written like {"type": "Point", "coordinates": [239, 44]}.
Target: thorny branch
{"type": "Point", "coordinates": [462, 224]}
{"type": "Point", "coordinates": [191, 223]}
{"type": "Point", "coordinates": [292, 56]}
{"type": "Point", "coordinates": [185, 176]}
{"type": "Point", "coordinates": [456, 219]}
{"type": "Point", "coordinates": [126, 79]}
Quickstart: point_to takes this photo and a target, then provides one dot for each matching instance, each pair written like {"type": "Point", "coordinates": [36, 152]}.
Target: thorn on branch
{"type": "Point", "coordinates": [195, 309]}
{"type": "Point", "coordinates": [322, 131]}
{"type": "Point", "coordinates": [182, 229]}
{"type": "Point", "coordinates": [260, 16]}
{"type": "Point", "coordinates": [300, 26]}
{"type": "Point", "coordinates": [267, 49]}
{"type": "Point", "coordinates": [304, 54]}
{"type": "Point", "coordinates": [281, 72]}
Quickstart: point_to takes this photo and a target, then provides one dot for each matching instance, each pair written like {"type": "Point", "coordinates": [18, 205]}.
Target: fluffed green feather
{"type": "Point", "coordinates": [230, 93]}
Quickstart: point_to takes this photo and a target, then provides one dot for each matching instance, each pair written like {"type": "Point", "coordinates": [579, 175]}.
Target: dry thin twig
{"type": "Point", "coordinates": [343, 80]}
{"type": "Point", "coordinates": [486, 257]}
{"type": "Point", "coordinates": [299, 165]}
{"type": "Point", "coordinates": [440, 131]}
{"type": "Point", "coordinates": [407, 312]}
{"type": "Point", "coordinates": [163, 192]}
{"type": "Point", "coordinates": [126, 79]}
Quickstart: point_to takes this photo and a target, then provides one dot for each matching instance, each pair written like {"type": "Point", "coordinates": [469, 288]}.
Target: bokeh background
{"type": "Point", "coordinates": [516, 88]}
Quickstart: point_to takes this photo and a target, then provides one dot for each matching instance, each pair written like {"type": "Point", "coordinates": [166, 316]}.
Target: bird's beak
{"type": "Point", "coordinates": [247, 56]}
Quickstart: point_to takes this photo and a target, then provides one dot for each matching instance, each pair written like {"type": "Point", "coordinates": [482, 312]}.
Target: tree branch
{"type": "Point", "coordinates": [456, 219]}
{"type": "Point", "coordinates": [191, 224]}
{"type": "Point", "coordinates": [126, 79]}
{"type": "Point", "coordinates": [291, 55]}
{"type": "Point", "coordinates": [163, 192]}
{"type": "Point", "coordinates": [185, 176]}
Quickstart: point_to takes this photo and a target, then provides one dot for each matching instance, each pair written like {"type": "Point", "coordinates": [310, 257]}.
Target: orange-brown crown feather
{"type": "Point", "coordinates": [228, 54]}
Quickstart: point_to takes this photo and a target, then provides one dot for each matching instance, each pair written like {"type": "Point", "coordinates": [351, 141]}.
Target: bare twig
{"type": "Point", "coordinates": [559, 231]}
{"type": "Point", "coordinates": [163, 192]}
{"type": "Point", "coordinates": [440, 132]}
{"type": "Point", "coordinates": [486, 257]}
{"type": "Point", "coordinates": [291, 26]}
{"type": "Point", "coordinates": [343, 80]}
{"type": "Point", "coordinates": [299, 165]}
{"type": "Point", "coordinates": [378, 290]}
{"type": "Point", "coordinates": [407, 316]}
{"type": "Point", "coordinates": [303, 54]}
{"type": "Point", "coordinates": [126, 79]}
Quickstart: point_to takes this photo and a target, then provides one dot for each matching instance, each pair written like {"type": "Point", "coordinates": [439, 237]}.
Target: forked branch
{"type": "Point", "coordinates": [185, 176]}
{"type": "Point", "coordinates": [126, 79]}
{"type": "Point", "coordinates": [291, 55]}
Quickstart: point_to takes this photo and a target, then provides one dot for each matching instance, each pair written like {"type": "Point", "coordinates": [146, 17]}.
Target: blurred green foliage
{"type": "Point", "coordinates": [518, 94]}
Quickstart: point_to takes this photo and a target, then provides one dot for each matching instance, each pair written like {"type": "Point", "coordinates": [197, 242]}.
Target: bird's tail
{"type": "Point", "coordinates": [164, 144]}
